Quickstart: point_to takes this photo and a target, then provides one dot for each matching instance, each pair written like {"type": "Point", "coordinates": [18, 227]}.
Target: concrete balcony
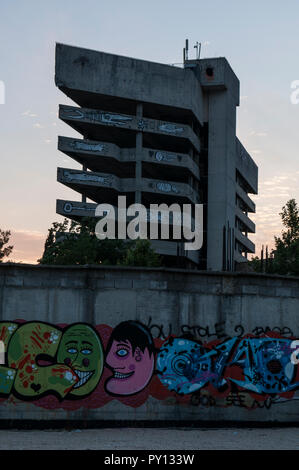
{"type": "Point", "coordinates": [108, 157]}
{"type": "Point", "coordinates": [168, 165]}
{"type": "Point", "coordinates": [99, 187]}
{"type": "Point", "coordinates": [248, 245]}
{"type": "Point", "coordinates": [77, 210]}
{"type": "Point", "coordinates": [179, 191]}
{"type": "Point", "coordinates": [246, 167]}
{"type": "Point", "coordinates": [121, 128]}
{"type": "Point", "coordinates": [104, 187]}
{"type": "Point", "coordinates": [239, 258]}
{"type": "Point", "coordinates": [245, 198]}
{"type": "Point", "coordinates": [175, 249]}
{"type": "Point", "coordinates": [245, 220]}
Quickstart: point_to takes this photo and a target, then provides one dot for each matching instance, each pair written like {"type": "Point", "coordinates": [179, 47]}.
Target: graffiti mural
{"type": "Point", "coordinates": [130, 356]}
{"type": "Point", "coordinates": [44, 359]}
{"type": "Point", "coordinates": [265, 364]}
{"type": "Point", "coordinates": [185, 366]}
{"type": "Point", "coordinates": [81, 349]}
{"type": "Point", "coordinates": [80, 365]}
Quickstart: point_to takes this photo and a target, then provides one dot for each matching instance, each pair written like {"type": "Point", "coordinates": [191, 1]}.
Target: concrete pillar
{"type": "Point", "coordinates": [84, 168]}
{"type": "Point", "coordinates": [138, 171]}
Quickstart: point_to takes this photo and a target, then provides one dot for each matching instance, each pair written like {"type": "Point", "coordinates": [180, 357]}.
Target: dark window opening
{"type": "Point", "coordinates": [210, 71]}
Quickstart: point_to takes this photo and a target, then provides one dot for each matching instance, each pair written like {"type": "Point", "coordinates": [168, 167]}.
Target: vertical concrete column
{"type": "Point", "coordinates": [138, 171]}
{"type": "Point", "coordinates": [221, 177]}
{"type": "Point", "coordinates": [84, 168]}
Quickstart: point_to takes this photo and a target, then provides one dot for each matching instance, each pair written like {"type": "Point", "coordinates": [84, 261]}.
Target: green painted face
{"type": "Point", "coordinates": [81, 349]}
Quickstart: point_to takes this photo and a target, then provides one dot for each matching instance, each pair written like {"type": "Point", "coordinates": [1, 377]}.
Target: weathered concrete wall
{"type": "Point", "coordinates": [127, 78]}
{"type": "Point", "coordinates": [209, 305]}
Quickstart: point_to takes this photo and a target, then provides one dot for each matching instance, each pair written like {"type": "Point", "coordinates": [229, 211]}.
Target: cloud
{"type": "Point", "coordinates": [261, 134]}
{"type": "Point", "coordinates": [257, 134]}
{"type": "Point", "coordinates": [38, 125]}
{"type": "Point", "coordinates": [29, 113]}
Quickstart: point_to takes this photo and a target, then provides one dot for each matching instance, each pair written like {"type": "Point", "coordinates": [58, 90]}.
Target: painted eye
{"type": "Point", "coordinates": [181, 364]}
{"type": "Point", "coordinates": [72, 351]}
{"type": "Point", "coordinates": [86, 351]}
{"type": "Point", "coordinates": [122, 352]}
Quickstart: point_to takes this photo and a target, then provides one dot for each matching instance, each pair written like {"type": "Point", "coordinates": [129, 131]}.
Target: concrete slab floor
{"type": "Point", "coordinates": [152, 439]}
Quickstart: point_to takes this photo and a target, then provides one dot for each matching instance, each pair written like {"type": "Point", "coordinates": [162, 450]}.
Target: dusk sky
{"type": "Point", "coordinates": [259, 39]}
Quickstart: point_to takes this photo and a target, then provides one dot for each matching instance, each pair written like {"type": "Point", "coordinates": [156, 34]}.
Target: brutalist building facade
{"type": "Point", "coordinates": [157, 134]}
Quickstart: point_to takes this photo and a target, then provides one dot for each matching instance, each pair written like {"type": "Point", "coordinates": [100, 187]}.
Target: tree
{"type": "Point", "coordinates": [255, 264]}
{"type": "Point", "coordinates": [141, 254]}
{"type": "Point", "coordinates": [4, 239]}
{"type": "Point", "coordinates": [285, 256]}
{"type": "Point", "coordinates": [286, 253]}
{"type": "Point", "coordinates": [290, 219]}
{"type": "Point", "coordinates": [72, 242]}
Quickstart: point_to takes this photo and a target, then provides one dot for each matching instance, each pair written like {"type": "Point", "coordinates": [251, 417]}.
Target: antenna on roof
{"type": "Point", "coordinates": [197, 46]}
{"type": "Point", "coordinates": [186, 49]}
{"type": "Point", "coordinates": [198, 49]}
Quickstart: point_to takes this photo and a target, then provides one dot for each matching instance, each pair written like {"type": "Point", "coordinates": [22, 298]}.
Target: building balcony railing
{"type": "Point", "coordinates": [100, 186]}
{"type": "Point", "coordinates": [245, 220]}
{"type": "Point", "coordinates": [178, 190]}
{"type": "Point", "coordinates": [245, 198]}
{"type": "Point", "coordinates": [246, 167]}
{"type": "Point", "coordinates": [248, 245]}
{"type": "Point", "coordinates": [118, 127]}
{"type": "Point", "coordinates": [108, 157]}
{"type": "Point", "coordinates": [76, 210]}
{"type": "Point", "coordinates": [176, 249]}
{"type": "Point", "coordinates": [239, 258]}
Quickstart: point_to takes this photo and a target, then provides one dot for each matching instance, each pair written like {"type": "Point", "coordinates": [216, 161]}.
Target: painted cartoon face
{"type": "Point", "coordinates": [81, 349]}
{"type": "Point", "coordinates": [132, 370]}
{"type": "Point", "coordinates": [184, 365]}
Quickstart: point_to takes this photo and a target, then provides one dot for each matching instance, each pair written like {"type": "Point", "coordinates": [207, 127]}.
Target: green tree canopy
{"type": "Point", "coordinates": [290, 220]}
{"type": "Point", "coordinates": [141, 254]}
{"type": "Point", "coordinates": [286, 253]}
{"type": "Point", "coordinates": [72, 242]}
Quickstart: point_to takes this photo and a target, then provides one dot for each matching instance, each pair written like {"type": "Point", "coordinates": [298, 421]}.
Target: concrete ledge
{"type": "Point", "coordinates": [122, 277]}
